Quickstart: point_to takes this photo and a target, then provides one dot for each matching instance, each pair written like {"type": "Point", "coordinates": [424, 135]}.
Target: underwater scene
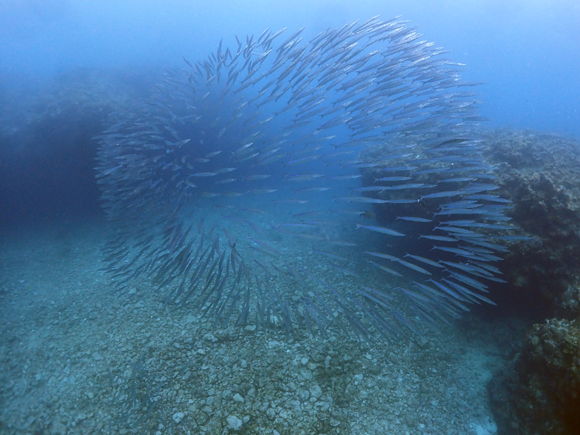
{"type": "Point", "coordinates": [259, 217]}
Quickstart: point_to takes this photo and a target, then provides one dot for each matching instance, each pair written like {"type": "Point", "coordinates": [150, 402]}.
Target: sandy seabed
{"type": "Point", "coordinates": [78, 357]}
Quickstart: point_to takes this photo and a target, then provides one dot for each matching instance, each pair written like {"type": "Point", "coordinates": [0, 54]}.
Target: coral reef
{"type": "Point", "coordinates": [539, 393]}
{"type": "Point", "coordinates": [540, 173]}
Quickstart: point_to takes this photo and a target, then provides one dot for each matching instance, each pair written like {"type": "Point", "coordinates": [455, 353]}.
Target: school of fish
{"type": "Point", "coordinates": [236, 189]}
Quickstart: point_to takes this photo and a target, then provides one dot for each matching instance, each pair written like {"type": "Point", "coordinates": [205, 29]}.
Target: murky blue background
{"type": "Point", "coordinates": [527, 51]}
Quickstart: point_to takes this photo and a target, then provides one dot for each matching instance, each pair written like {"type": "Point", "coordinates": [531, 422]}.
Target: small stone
{"type": "Point", "coordinates": [411, 420]}
{"type": "Point", "coordinates": [315, 391]}
{"type": "Point", "coordinates": [238, 398]}
{"type": "Point", "coordinates": [234, 423]}
{"type": "Point", "coordinates": [178, 416]}
{"type": "Point", "coordinates": [210, 337]}
{"type": "Point", "coordinates": [96, 356]}
{"type": "Point", "coordinates": [304, 361]}
{"type": "Point", "coordinates": [303, 394]}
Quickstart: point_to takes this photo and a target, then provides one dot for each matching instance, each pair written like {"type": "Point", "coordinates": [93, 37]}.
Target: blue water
{"type": "Point", "coordinates": [527, 52]}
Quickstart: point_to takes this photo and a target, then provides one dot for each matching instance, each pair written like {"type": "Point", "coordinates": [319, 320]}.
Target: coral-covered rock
{"type": "Point", "coordinates": [539, 393]}
{"type": "Point", "coordinates": [540, 173]}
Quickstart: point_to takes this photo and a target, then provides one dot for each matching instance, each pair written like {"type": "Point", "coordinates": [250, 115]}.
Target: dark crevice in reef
{"type": "Point", "coordinates": [54, 173]}
{"type": "Point", "coordinates": [47, 145]}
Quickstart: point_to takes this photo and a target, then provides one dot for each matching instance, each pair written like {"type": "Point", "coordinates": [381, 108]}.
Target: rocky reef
{"type": "Point", "coordinates": [540, 173]}
{"type": "Point", "coordinates": [538, 390]}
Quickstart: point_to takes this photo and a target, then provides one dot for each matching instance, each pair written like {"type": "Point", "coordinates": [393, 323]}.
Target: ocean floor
{"type": "Point", "coordinates": [77, 357]}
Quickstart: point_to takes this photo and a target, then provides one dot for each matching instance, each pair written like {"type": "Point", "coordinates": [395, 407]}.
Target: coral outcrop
{"type": "Point", "coordinates": [539, 393]}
